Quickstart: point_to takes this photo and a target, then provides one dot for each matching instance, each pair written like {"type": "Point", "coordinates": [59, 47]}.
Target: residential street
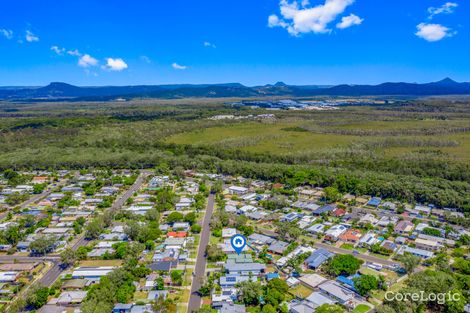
{"type": "Point", "coordinates": [365, 257]}
{"type": "Point", "coordinates": [37, 197]}
{"type": "Point", "coordinates": [51, 276]}
{"type": "Point", "coordinates": [199, 272]}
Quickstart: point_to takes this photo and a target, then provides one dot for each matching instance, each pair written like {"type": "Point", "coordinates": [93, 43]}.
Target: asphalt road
{"type": "Point", "coordinates": [51, 276]}
{"type": "Point", "coordinates": [200, 268]}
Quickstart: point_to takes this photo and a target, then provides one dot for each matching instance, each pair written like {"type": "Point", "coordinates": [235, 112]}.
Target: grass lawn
{"type": "Point", "coordinates": [361, 308]}
{"type": "Point", "coordinates": [301, 291]}
{"type": "Point", "coordinates": [368, 271]}
{"type": "Point", "coordinates": [347, 246]}
{"type": "Point", "coordinates": [380, 256]}
{"type": "Point", "coordinates": [380, 294]}
{"type": "Point", "coordinates": [361, 250]}
{"type": "Point", "coordinates": [140, 295]}
{"type": "Point", "coordinates": [214, 240]}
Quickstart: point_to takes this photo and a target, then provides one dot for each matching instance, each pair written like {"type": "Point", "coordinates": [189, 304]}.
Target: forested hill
{"type": "Point", "coordinates": [58, 90]}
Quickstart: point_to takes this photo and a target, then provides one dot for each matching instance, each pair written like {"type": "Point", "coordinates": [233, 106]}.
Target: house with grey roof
{"type": "Point", "coordinates": [317, 258]}
{"type": "Point", "coordinates": [232, 308]}
{"type": "Point", "coordinates": [260, 240]}
{"type": "Point", "coordinates": [278, 247]}
{"type": "Point", "coordinates": [245, 268]}
{"type": "Point", "coordinates": [232, 280]}
{"type": "Point", "coordinates": [337, 292]}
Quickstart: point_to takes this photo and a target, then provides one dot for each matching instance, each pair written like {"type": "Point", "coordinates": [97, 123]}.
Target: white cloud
{"type": "Point", "coordinates": [433, 32]}
{"type": "Point", "coordinates": [348, 21]}
{"type": "Point", "coordinates": [146, 59]}
{"type": "Point", "coordinates": [209, 45]}
{"type": "Point", "coordinates": [297, 19]}
{"type": "Point", "coordinates": [446, 8]}
{"type": "Point", "coordinates": [177, 66]}
{"type": "Point", "coordinates": [87, 60]}
{"type": "Point", "coordinates": [117, 64]}
{"type": "Point", "coordinates": [7, 33]}
{"type": "Point", "coordinates": [74, 53]}
{"type": "Point", "coordinates": [90, 73]}
{"type": "Point", "coordinates": [30, 37]}
{"type": "Point", "coordinates": [58, 50]}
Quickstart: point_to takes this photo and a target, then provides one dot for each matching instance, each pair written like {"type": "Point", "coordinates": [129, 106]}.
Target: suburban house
{"type": "Point", "coordinates": [318, 299]}
{"type": "Point", "coordinates": [368, 219]}
{"type": "Point", "coordinates": [419, 252]}
{"type": "Point", "coordinates": [92, 273]}
{"type": "Point", "coordinates": [236, 190]}
{"type": "Point", "coordinates": [334, 232]}
{"type": "Point", "coordinates": [231, 280]}
{"type": "Point", "coordinates": [429, 245]}
{"type": "Point", "coordinates": [403, 227]}
{"type": "Point", "coordinates": [316, 229]}
{"type": "Point", "coordinates": [278, 247]}
{"type": "Point", "coordinates": [317, 258]}
{"type": "Point", "coordinates": [368, 240]}
{"type": "Point", "coordinates": [312, 280]}
{"type": "Point", "coordinates": [351, 235]}
{"type": "Point", "coordinates": [325, 209]}
{"type": "Point", "coordinates": [71, 297]}
{"type": "Point", "coordinates": [228, 232]}
{"type": "Point", "coordinates": [334, 290]}
{"type": "Point", "coordinates": [374, 201]}
{"type": "Point", "coordinates": [245, 268]}
{"type": "Point", "coordinates": [8, 277]}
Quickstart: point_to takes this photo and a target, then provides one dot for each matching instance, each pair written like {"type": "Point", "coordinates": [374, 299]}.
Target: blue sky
{"type": "Point", "coordinates": [249, 41]}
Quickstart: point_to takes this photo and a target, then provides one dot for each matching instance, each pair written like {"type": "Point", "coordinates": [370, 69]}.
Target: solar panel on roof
{"type": "Point", "coordinates": [231, 279]}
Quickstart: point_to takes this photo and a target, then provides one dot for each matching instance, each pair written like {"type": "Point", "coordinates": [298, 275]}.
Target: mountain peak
{"type": "Point", "coordinates": [280, 84]}
{"type": "Point", "coordinates": [58, 84]}
{"type": "Point", "coordinates": [447, 81]}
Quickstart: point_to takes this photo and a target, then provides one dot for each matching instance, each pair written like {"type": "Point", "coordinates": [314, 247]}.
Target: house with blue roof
{"type": "Point", "coordinates": [270, 276]}
{"type": "Point", "coordinates": [122, 308]}
{"type": "Point", "coordinates": [317, 258]}
{"type": "Point", "coordinates": [325, 209]}
{"type": "Point", "coordinates": [348, 281]}
{"type": "Point", "coordinates": [290, 217]}
{"type": "Point", "coordinates": [374, 201]}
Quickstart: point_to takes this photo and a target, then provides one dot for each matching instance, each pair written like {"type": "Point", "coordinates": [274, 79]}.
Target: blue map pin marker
{"type": "Point", "coordinates": [238, 243]}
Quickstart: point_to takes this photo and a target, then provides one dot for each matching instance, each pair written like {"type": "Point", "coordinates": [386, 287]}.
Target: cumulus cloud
{"type": "Point", "coordinates": [74, 53]}
{"type": "Point", "coordinates": [117, 64]}
{"type": "Point", "coordinates": [30, 37]}
{"type": "Point", "coordinates": [87, 60]}
{"type": "Point", "coordinates": [348, 21]}
{"type": "Point", "coordinates": [209, 44]}
{"type": "Point", "coordinates": [177, 66]}
{"type": "Point", "coordinates": [446, 8]}
{"type": "Point", "coordinates": [433, 32]}
{"type": "Point", "coordinates": [7, 33]}
{"type": "Point", "coordinates": [58, 50]}
{"type": "Point", "coordinates": [299, 18]}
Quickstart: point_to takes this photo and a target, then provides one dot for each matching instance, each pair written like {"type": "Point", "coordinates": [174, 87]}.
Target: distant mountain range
{"type": "Point", "coordinates": [58, 91]}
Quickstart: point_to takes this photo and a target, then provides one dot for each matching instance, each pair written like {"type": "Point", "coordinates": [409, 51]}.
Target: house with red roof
{"type": "Point", "coordinates": [177, 234]}
{"type": "Point", "coordinates": [339, 212]}
{"type": "Point", "coordinates": [351, 235]}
